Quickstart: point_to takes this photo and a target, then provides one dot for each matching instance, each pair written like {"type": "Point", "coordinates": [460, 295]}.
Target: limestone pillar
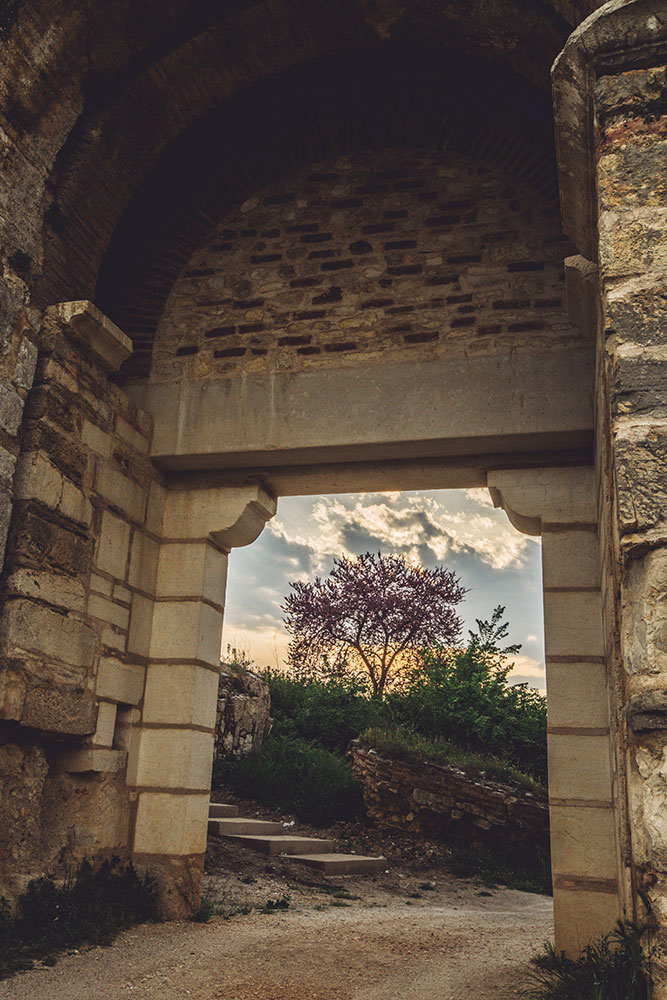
{"type": "Point", "coordinates": [560, 504]}
{"type": "Point", "coordinates": [179, 632]}
{"type": "Point", "coordinates": [610, 89]}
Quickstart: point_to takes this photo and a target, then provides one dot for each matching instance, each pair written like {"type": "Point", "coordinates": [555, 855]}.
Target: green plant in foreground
{"type": "Point", "coordinates": [614, 967]}
{"type": "Point", "coordinates": [89, 907]}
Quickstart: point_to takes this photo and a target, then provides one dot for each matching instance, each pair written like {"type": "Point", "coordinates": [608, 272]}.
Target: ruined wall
{"type": "Point", "coordinates": [391, 257]}
{"type": "Point", "coordinates": [71, 612]}
{"type": "Point", "coordinates": [242, 720]}
{"type": "Point", "coordinates": [443, 801]}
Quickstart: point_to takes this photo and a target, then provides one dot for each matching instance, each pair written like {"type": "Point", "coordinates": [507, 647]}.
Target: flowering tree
{"type": "Point", "coordinates": [375, 612]}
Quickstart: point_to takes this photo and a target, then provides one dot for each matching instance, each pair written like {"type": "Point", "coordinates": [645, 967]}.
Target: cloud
{"type": "Point", "coordinates": [414, 525]}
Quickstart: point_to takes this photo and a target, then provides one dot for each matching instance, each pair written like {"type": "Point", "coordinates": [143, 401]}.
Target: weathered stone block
{"type": "Point", "coordinates": [113, 545]}
{"type": "Point", "coordinates": [181, 694]}
{"type": "Point", "coordinates": [26, 362]}
{"type": "Point", "coordinates": [106, 723]}
{"type": "Point", "coordinates": [11, 408]}
{"type": "Point", "coordinates": [40, 629]}
{"type": "Point", "coordinates": [186, 630]}
{"type": "Point", "coordinates": [192, 569]}
{"type": "Point", "coordinates": [108, 611]}
{"type": "Point", "coordinates": [573, 624]}
{"type": "Point", "coordinates": [143, 562]}
{"type": "Point", "coordinates": [579, 767]}
{"type": "Point", "coordinates": [97, 439]}
{"type": "Point", "coordinates": [57, 589]}
{"type": "Point", "coordinates": [644, 630]}
{"type": "Point", "coordinates": [121, 491]}
{"type": "Point", "coordinates": [583, 842]}
{"type": "Point", "coordinates": [99, 759]}
{"type": "Point", "coordinates": [39, 542]}
{"type": "Point", "coordinates": [174, 758]}
{"type": "Point", "coordinates": [123, 682]}
{"type": "Point", "coordinates": [577, 695]}
{"type": "Point", "coordinates": [141, 625]}
{"type": "Point", "coordinates": [39, 479]}
{"type": "Point", "coordinates": [640, 457]}
{"type": "Point", "coordinates": [570, 559]}
{"type": "Point", "coordinates": [169, 823]}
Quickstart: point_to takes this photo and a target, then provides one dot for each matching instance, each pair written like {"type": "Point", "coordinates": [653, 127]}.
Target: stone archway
{"type": "Point", "coordinates": [110, 482]}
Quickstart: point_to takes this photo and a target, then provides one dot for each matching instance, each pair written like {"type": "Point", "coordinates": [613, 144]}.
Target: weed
{"type": "Point", "coordinates": [343, 894]}
{"type": "Point", "coordinates": [276, 905]}
{"type": "Point", "coordinates": [207, 908]}
{"type": "Point", "coordinates": [229, 910]}
{"type": "Point", "coordinates": [614, 967]}
{"type": "Point", "coordinates": [90, 906]}
{"type": "Point", "coordinates": [520, 871]}
{"type": "Point", "coordinates": [338, 902]}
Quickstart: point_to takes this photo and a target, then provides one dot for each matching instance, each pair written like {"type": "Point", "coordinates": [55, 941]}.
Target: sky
{"type": "Point", "coordinates": [459, 529]}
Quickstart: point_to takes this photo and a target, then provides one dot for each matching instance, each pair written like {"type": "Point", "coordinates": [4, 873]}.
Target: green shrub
{"type": "Point", "coordinates": [296, 776]}
{"type": "Point", "coordinates": [614, 967]}
{"type": "Point", "coordinates": [330, 713]}
{"type": "Point", "coordinates": [403, 744]}
{"type": "Point", "coordinates": [91, 906]}
{"type": "Point", "coordinates": [526, 872]}
{"type": "Point", "coordinates": [462, 696]}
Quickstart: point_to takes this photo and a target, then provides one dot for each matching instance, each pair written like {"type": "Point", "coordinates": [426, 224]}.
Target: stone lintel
{"type": "Point", "coordinates": [533, 497]}
{"type": "Point", "coordinates": [89, 326]}
{"type": "Point", "coordinates": [621, 35]}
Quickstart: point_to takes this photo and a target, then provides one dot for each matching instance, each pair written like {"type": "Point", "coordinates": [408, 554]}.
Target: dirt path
{"type": "Point", "coordinates": [466, 947]}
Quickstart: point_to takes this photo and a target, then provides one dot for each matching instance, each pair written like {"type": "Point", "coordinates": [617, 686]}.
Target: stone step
{"type": "Point", "coordinates": [222, 810]}
{"type": "Point", "coordinates": [240, 826]}
{"type": "Point", "coordinates": [284, 844]}
{"type": "Point", "coordinates": [341, 864]}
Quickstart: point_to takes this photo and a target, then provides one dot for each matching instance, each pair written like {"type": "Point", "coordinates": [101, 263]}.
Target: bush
{"type": "Point", "coordinates": [403, 744]}
{"type": "Point", "coordinates": [330, 713]}
{"type": "Point", "coordinates": [615, 967]}
{"type": "Point", "coordinates": [462, 696]}
{"type": "Point", "coordinates": [89, 907]}
{"type": "Point", "coordinates": [295, 775]}
{"type": "Point", "coordinates": [526, 872]}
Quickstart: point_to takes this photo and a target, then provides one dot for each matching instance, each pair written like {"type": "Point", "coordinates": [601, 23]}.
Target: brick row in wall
{"type": "Point", "coordinates": [400, 255]}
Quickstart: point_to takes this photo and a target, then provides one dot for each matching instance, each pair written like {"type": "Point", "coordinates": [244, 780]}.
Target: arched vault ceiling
{"type": "Point", "coordinates": [113, 85]}
{"type": "Point", "coordinates": [93, 93]}
{"type": "Point", "coordinates": [391, 97]}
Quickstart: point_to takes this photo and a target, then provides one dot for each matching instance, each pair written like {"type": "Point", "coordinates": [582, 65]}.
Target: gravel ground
{"type": "Point", "coordinates": [412, 932]}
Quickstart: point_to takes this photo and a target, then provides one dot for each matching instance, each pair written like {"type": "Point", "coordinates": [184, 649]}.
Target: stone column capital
{"type": "Point", "coordinates": [231, 515]}
{"type": "Point", "coordinates": [101, 338]}
{"type": "Point", "coordinates": [532, 498]}
{"type": "Point", "coordinates": [621, 35]}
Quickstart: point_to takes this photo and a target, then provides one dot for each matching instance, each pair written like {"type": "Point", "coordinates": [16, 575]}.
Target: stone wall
{"type": "Point", "coordinates": [442, 801]}
{"type": "Point", "coordinates": [242, 720]}
{"type": "Point", "coordinates": [379, 256]}
{"type": "Point", "coordinates": [69, 593]}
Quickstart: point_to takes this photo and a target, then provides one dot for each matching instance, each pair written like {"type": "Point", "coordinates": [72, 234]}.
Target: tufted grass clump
{"type": "Point", "coordinates": [90, 907]}
{"type": "Point", "coordinates": [614, 967]}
